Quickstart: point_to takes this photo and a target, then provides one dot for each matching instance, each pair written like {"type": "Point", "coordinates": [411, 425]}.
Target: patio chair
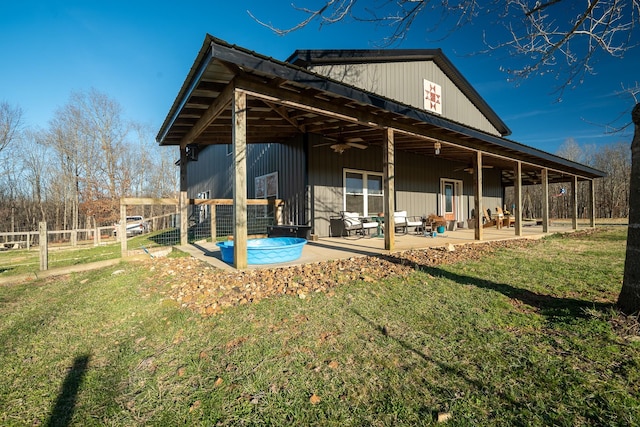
{"type": "Point", "coordinates": [353, 222]}
{"type": "Point", "coordinates": [401, 220]}
{"type": "Point", "coordinates": [488, 222]}
{"type": "Point", "coordinates": [507, 219]}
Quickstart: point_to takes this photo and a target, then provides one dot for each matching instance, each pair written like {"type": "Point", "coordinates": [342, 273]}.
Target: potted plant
{"type": "Point", "coordinates": [437, 221]}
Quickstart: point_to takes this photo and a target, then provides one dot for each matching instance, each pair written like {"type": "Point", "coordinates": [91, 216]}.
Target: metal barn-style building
{"type": "Point", "coordinates": [370, 131]}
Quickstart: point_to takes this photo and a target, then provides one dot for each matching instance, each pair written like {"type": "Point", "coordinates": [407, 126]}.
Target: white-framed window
{"type": "Point", "coordinates": [363, 192]}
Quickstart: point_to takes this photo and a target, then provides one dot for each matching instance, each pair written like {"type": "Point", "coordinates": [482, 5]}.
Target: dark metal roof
{"type": "Point", "coordinates": [285, 100]}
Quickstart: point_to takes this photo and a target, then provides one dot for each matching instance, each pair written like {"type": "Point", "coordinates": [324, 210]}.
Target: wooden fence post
{"type": "Point", "coordinates": [212, 214]}
{"type": "Point", "coordinates": [122, 230]}
{"type": "Point", "coordinates": [44, 246]}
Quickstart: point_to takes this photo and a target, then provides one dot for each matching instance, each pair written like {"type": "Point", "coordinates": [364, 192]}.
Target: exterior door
{"type": "Point", "coordinates": [451, 199]}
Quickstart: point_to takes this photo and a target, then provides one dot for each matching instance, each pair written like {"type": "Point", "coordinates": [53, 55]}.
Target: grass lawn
{"type": "Point", "coordinates": [523, 337]}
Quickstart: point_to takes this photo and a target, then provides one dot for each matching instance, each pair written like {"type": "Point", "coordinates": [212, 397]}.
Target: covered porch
{"type": "Point", "coordinates": [336, 248]}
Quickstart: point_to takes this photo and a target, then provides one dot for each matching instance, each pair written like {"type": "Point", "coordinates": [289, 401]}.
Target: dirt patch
{"type": "Point", "coordinates": [209, 291]}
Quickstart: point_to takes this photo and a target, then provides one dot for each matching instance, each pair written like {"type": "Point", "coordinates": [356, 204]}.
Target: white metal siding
{"type": "Point", "coordinates": [404, 82]}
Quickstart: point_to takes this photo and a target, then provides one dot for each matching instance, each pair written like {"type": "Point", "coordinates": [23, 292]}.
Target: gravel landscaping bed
{"type": "Point", "coordinates": [209, 291]}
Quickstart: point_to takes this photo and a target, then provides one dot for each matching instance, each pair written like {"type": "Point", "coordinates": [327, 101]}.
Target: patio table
{"type": "Point", "coordinates": [379, 229]}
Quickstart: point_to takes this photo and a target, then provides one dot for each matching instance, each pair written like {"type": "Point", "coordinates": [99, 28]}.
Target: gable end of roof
{"type": "Point", "coordinates": [308, 58]}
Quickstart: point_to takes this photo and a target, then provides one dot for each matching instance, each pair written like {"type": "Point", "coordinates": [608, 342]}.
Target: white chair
{"type": "Point", "coordinates": [353, 222]}
{"type": "Point", "coordinates": [401, 220]}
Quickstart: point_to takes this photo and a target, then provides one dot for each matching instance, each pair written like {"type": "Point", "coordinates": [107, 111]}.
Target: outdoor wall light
{"type": "Point", "coordinates": [437, 146]}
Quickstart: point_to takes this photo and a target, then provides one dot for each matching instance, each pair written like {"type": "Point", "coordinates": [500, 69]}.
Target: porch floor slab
{"type": "Point", "coordinates": [335, 248]}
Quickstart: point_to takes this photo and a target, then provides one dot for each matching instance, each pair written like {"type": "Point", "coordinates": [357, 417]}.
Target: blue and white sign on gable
{"type": "Point", "coordinates": [432, 97]}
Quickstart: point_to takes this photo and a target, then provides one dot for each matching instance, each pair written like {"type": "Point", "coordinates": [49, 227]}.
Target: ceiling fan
{"type": "Point", "coordinates": [470, 168]}
{"type": "Point", "coordinates": [341, 144]}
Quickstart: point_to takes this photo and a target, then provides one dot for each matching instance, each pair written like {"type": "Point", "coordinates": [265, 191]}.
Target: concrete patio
{"type": "Point", "coordinates": [333, 248]}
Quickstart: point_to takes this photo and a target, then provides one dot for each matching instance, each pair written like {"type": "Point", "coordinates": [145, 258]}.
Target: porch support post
{"type": "Point", "coordinates": [388, 170]}
{"type": "Point", "coordinates": [477, 196]}
{"type": "Point", "coordinates": [545, 200]}
{"type": "Point", "coordinates": [239, 118]}
{"type": "Point", "coordinates": [574, 202]}
{"type": "Point", "coordinates": [518, 196]}
{"type": "Point", "coordinates": [183, 205]}
{"type": "Point", "coordinates": [592, 195]}
{"type": "Point", "coordinates": [184, 218]}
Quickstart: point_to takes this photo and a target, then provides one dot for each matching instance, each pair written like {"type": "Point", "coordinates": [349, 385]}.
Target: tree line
{"type": "Point", "coordinates": [611, 192]}
{"type": "Point", "coordinates": [73, 173]}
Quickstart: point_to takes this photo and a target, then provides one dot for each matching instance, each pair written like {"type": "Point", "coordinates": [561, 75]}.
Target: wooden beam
{"type": "Point", "coordinates": [282, 112]}
{"type": "Point", "coordinates": [477, 198]}
{"type": "Point", "coordinates": [592, 194]}
{"type": "Point", "coordinates": [217, 106]}
{"type": "Point", "coordinates": [545, 200]}
{"type": "Point", "coordinates": [517, 182]}
{"type": "Point", "coordinates": [139, 201]}
{"type": "Point", "coordinates": [239, 106]}
{"type": "Point", "coordinates": [250, 202]}
{"type": "Point", "coordinates": [260, 90]}
{"type": "Point", "coordinates": [574, 202]}
{"type": "Point", "coordinates": [362, 114]}
{"type": "Point", "coordinates": [388, 171]}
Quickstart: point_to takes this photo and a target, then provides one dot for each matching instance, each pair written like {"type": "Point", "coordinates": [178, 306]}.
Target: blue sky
{"type": "Point", "coordinates": [139, 52]}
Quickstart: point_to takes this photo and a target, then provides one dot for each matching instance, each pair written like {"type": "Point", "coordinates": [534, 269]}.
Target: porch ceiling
{"type": "Point", "coordinates": [282, 106]}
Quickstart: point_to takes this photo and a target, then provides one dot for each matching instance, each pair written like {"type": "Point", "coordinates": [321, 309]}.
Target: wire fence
{"type": "Point", "coordinates": [207, 220]}
{"type": "Point", "coordinates": [259, 217]}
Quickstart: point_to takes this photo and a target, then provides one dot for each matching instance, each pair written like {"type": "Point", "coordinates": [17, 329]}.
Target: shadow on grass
{"type": "Point", "coordinates": [64, 408]}
{"type": "Point", "coordinates": [445, 367]}
{"type": "Point", "coordinates": [549, 306]}
{"type": "Point", "coordinates": [166, 238]}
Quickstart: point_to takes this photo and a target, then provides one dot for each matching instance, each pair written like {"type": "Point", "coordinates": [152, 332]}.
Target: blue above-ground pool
{"type": "Point", "coordinates": [266, 251]}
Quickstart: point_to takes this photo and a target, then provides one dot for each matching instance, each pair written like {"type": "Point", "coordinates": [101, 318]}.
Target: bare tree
{"type": "Point", "coordinates": [613, 189]}
{"type": "Point", "coordinates": [571, 150]}
{"type": "Point", "coordinates": [10, 124]}
{"type": "Point", "coordinates": [553, 36]}
{"type": "Point", "coordinates": [89, 139]}
{"type": "Point", "coordinates": [35, 158]}
{"type": "Point", "coordinates": [106, 132]}
{"type": "Point", "coordinates": [10, 130]}
{"type": "Point", "coordinates": [66, 139]}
